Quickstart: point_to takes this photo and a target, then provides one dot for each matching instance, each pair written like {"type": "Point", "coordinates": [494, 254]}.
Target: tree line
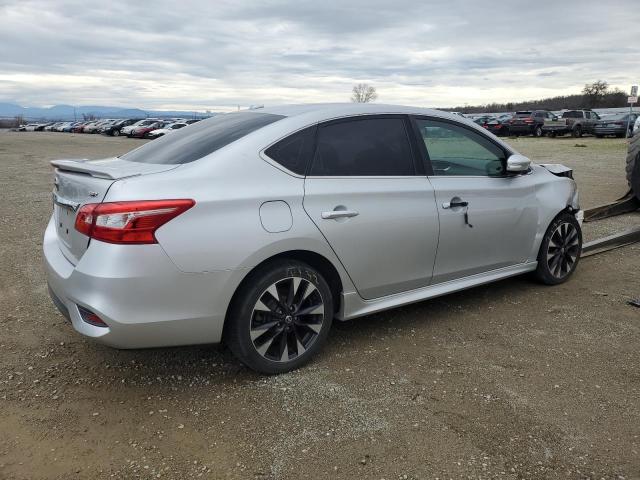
{"type": "Point", "coordinates": [594, 95]}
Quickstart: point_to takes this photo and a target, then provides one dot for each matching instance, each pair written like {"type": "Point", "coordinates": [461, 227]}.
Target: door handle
{"type": "Point", "coordinates": [455, 204]}
{"type": "Point", "coordinates": [339, 214]}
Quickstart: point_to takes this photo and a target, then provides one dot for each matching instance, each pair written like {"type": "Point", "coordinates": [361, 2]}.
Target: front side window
{"type": "Point", "coordinates": [457, 151]}
{"type": "Point", "coordinates": [200, 139]}
{"type": "Point", "coordinates": [363, 147]}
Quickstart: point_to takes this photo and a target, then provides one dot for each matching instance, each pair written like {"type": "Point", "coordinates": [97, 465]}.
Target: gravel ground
{"type": "Point", "coordinates": [510, 380]}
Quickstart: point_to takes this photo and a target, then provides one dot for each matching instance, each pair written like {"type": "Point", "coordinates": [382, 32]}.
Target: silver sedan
{"type": "Point", "coordinates": [259, 228]}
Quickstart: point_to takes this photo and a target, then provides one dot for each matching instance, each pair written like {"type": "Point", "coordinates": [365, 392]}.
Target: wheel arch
{"type": "Point", "coordinates": [326, 268]}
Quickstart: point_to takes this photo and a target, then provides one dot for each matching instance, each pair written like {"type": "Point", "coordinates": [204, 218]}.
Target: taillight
{"type": "Point", "coordinates": [528, 120]}
{"type": "Point", "coordinates": [128, 222]}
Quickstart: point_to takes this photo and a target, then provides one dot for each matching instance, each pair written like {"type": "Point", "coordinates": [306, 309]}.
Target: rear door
{"type": "Point", "coordinates": [488, 220]}
{"type": "Point", "coordinates": [377, 213]}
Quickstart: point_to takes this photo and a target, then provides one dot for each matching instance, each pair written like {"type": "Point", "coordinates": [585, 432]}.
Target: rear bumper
{"type": "Point", "coordinates": [139, 293]}
{"type": "Point", "coordinates": [610, 131]}
{"type": "Point", "coordinates": [556, 129]}
{"type": "Point", "coordinates": [521, 128]}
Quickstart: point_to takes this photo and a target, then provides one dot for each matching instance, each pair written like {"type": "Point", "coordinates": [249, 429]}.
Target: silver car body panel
{"type": "Point", "coordinates": [177, 291]}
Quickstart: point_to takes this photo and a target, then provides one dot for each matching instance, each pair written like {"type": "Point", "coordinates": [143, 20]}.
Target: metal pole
{"type": "Point", "coordinates": [626, 135]}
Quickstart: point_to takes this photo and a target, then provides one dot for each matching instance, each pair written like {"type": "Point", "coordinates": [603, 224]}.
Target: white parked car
{"type": "Point", "coordinates": [129, 129]}
{"type": "Point", "coordinates": [169, 128]}
{"type": "Point", "coordinates": [636, 126]}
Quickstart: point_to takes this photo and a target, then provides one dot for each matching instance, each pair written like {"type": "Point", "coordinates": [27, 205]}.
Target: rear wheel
{"type": "Point", "coordinates": [280, 317]}
{"type": "Point", "coordinates": [560, 250]}
{"type": "Point", "coordinates": [538, 131]}
{"type": "Point", "coordinates": [115, 133]}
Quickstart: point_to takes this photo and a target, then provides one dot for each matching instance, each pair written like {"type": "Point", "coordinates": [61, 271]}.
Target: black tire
{"type": "Point", "coordinates": [537, 132]}
{"type": "Point", "coordinates": [633, 165]}
{"type": "Point", "coordinates": [115, 133]}
{"type": "Point", "coordinates": [259, 321]}
{"type": "Point", "coordinates": [577, 132]}
{"type": "Point", "coordinates": [560, 250]}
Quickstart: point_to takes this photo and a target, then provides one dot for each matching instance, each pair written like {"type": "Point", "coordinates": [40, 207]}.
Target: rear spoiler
{"type": "Point", "coordinates": [94, 168]}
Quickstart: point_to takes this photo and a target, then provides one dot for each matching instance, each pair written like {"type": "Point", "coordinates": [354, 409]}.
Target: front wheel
{"type": "Point", "coordinates": [577, 132]}
{"type": "Point", "coordinates": [115, 133]}
{"type": "Point", "coordinates": [560, 250]}
{"type": "Point", "coordinates": [280, 317]}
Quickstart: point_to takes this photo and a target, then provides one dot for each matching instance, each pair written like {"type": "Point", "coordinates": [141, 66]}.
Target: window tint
{"type": "Point", "coordinates": [455, 150]}
{"type": "Point", "coordinates": [363, 147]}
{"type": "Point", "coordinates": [200, 139]}
{"type": "Point", "coordinates": [295, 151]}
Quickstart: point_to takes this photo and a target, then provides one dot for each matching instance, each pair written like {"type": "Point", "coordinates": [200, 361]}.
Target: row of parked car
{"type": "Point", "coordinates": [131, 127]}
{"type": "Point", "coordinates": [573, 122]}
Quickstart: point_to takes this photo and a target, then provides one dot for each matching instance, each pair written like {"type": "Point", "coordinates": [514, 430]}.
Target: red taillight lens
{"type": "Point", "coordinates": [128, 222]}
{"type": "Point", "coordinates": [528, 120]}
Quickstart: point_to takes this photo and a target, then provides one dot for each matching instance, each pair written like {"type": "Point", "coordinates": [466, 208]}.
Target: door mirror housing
{"type": "Point", "coordinates": [517, 163]}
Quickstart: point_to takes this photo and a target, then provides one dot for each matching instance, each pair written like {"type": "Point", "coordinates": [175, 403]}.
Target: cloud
{"type": "Point", "coordinates": [215, 55]}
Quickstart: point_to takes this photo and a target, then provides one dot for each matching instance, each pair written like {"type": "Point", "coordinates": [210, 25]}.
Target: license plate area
{"type": "Point", "coordinates": [65, 220]}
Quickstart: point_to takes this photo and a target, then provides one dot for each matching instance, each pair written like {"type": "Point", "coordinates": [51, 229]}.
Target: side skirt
{"type": "Point", "coordinates": [353, 306]}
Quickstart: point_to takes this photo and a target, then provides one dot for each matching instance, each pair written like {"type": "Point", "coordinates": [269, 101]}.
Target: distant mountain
{"type": "Point", "coordinates": [69, 112]}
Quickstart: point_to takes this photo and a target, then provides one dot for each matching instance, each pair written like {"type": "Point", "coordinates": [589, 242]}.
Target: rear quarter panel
{"type": "Point", "coordinates": [223, 231]}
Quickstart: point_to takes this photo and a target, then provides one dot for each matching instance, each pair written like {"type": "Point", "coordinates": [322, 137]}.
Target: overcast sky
{"type": "Point", "coordinates": [213, 55]}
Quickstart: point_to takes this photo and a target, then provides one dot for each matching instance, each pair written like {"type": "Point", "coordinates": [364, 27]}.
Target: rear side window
{"type": "Point", "coordinates": [363, 147]}
{"type": "Point", "coordinates": [199, 139]}
{"type": "Point", "coordinates": [295, 151]}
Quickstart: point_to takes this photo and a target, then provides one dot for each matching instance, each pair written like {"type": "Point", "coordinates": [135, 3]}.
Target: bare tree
{"type": "Point", "coordinates": [595, 92]}
{"type": "Point", "coordinates": [363, 93]}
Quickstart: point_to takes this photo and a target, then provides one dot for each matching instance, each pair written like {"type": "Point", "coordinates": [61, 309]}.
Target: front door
{"type": "Point", "coordinates": [488, 219]}
{"type": "Point", "coordinates": [376, 213]}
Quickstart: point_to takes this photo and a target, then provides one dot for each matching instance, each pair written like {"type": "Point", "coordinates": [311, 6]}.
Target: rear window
{"type": "Point", "coordinates": [199, 139]}
{"type": "Point", "coordinates": [572, 114]}
{"type": "Point", "coordinates": [523, 114]}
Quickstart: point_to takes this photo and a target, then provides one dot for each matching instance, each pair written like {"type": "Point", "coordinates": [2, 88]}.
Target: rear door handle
{"type": "Point", "coordinates": [446, 205]}
{"type": "Point", "coordinates": [339, 214]}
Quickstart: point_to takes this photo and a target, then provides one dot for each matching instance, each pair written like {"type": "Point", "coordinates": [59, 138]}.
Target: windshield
{"type": "Point", "coordinates": [572, 114]}
{"type": "Point", "coordinates": [200, 139]}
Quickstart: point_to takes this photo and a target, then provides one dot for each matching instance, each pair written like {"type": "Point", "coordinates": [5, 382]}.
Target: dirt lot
{"type": "Point", "coordinates": [510, 380]}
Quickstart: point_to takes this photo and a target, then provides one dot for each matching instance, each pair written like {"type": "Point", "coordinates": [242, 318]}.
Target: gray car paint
{"type": "Point", "coordinates": [397, 251]}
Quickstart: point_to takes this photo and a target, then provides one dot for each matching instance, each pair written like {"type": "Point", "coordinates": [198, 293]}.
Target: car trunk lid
{"type": "Point", "coordinates": [79, 182]}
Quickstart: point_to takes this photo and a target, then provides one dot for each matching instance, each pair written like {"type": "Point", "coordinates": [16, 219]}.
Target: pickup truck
{"type": "Point", "coordinates": [575, 122]}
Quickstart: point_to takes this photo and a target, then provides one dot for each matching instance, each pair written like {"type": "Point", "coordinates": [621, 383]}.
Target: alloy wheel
{"type": "Point", "coordinates": [287, 319]}
{"type": "Point", "coordinates": [563, 250]}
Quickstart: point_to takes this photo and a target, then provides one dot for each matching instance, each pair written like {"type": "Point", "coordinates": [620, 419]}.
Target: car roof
{"type": "Point", "coordinates": [325, 111]}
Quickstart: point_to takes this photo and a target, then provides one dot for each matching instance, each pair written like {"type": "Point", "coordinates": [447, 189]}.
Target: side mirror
{"type": "Point", "coordinates": [517, 163]}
